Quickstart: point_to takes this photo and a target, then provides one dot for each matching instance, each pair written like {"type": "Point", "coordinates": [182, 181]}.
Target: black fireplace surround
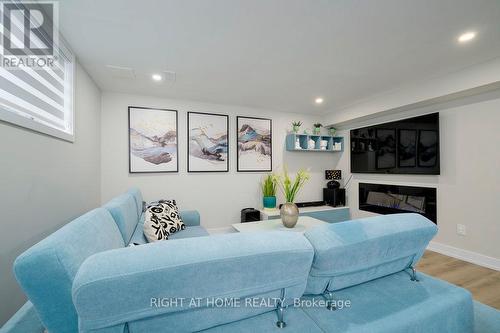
{"type": "Point", "coordinates": [392, 199]}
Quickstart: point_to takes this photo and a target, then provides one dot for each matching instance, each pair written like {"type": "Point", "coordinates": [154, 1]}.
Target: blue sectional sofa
{"type": "Point", "coordinates": [84, 278]}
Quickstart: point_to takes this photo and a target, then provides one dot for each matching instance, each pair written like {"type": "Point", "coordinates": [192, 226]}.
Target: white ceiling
{"type": "Point", "coordinates": [277, 54]}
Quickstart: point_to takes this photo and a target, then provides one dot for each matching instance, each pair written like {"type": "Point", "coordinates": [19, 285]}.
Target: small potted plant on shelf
{"type": "Point", "coordinates": [332, 130]}
{"type": "Point", "coordinates": [296, 126]}
{"type": "Point", "coordinates": [317, 128]}
{"type": "Point", "coordinates": [289, 211]}
{"type": "Point", "coordinates": [269, 191]}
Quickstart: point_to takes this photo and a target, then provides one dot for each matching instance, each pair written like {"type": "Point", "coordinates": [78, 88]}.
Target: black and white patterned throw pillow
{"type": "Point", "coordinates": [161, 220]}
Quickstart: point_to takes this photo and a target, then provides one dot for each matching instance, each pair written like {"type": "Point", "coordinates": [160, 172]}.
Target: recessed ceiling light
{"type": "Point", "coordinates": [465, 37]}
{"type": "Point", "coordinates": [318, 100]}
{"type": "Point", "coordinates": [157, 77]}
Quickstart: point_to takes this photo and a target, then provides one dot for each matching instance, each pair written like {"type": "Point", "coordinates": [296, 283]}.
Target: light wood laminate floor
{"type": "Point", "coordinates": [483, 283]}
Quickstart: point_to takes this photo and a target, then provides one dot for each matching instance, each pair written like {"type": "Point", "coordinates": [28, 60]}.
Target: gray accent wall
{"type": "Point", "coordinates": [45, 183]}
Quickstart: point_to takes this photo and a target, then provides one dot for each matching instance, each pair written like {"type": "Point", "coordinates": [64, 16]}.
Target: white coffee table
{"type": "Point", "coordinates": [303, 224]}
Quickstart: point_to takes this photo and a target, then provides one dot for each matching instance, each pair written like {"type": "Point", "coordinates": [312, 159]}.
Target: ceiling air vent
{"type": "Point", "coordinates": [169, 76]}
{"type": "Point", "coordinates": [121, 72]}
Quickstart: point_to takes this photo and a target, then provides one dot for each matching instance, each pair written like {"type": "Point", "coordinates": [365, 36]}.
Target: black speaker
{"type": "Point", "coordinates": [334, 196]}
{"type": "Point", "coordinates": [250, 215]}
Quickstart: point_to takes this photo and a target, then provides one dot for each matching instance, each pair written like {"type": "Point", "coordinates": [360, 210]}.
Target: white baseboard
{"type": "Point", "coordinates": [223, 230]}
{"type": "Point", "coordinates": [465, 255]}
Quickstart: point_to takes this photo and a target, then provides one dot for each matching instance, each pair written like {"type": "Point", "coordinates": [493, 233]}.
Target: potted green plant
{"type": "Point", "coordinates": [296, 126]}
{"type": "Point", "coordinates": [289, 211]}
{"type": "Point", "coordinates": [317, 128]}
{"type": "Point", "coordinates": [269, 191]}
{"type": "Point", "coordinates": [332, 131]}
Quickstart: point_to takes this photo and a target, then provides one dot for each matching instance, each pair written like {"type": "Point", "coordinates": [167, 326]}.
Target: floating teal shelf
{"type": "Point", "coordinates": [304, 139]}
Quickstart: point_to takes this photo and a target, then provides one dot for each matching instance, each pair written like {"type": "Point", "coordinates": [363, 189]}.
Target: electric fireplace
{"type": "Point", "coordinates": [392, 199]}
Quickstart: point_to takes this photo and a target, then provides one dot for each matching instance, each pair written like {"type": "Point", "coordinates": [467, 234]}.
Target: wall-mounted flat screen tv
{"type": "Point", "coordinates": [408, 146]}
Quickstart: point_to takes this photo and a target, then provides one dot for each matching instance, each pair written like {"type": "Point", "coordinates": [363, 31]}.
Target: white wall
{"type": "Point", "coordinates": [45, 182]}
{"type": "Point", "coordinates": [218, 196]}
{"type": "Point", "coordinates": [469, 184]}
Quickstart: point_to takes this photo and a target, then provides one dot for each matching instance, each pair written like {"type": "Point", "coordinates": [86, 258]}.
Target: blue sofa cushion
{"type": "Point", "coordinates": [123, 208]}
{"type": "Point", "coordinates": [196, 231]}
{"type": "Point", "coordinates": [138, 237]}
{"type": "Point", "coordinates": [395, 304]}
{"type": "Point", "coordinates": [190, 217]}
{"type": "Point", "coordinates": [391, 304]}
{"type": "Point", "coordinates": [47, 269]}
{"type": "Point", "coordinates": [231, 265]}
{"type": "Point", "coordinates": [486, 318]}
{"type": "Point", "coordinates": [136, 193]}
{"type": "Point", "coordinates": [353, 252]}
